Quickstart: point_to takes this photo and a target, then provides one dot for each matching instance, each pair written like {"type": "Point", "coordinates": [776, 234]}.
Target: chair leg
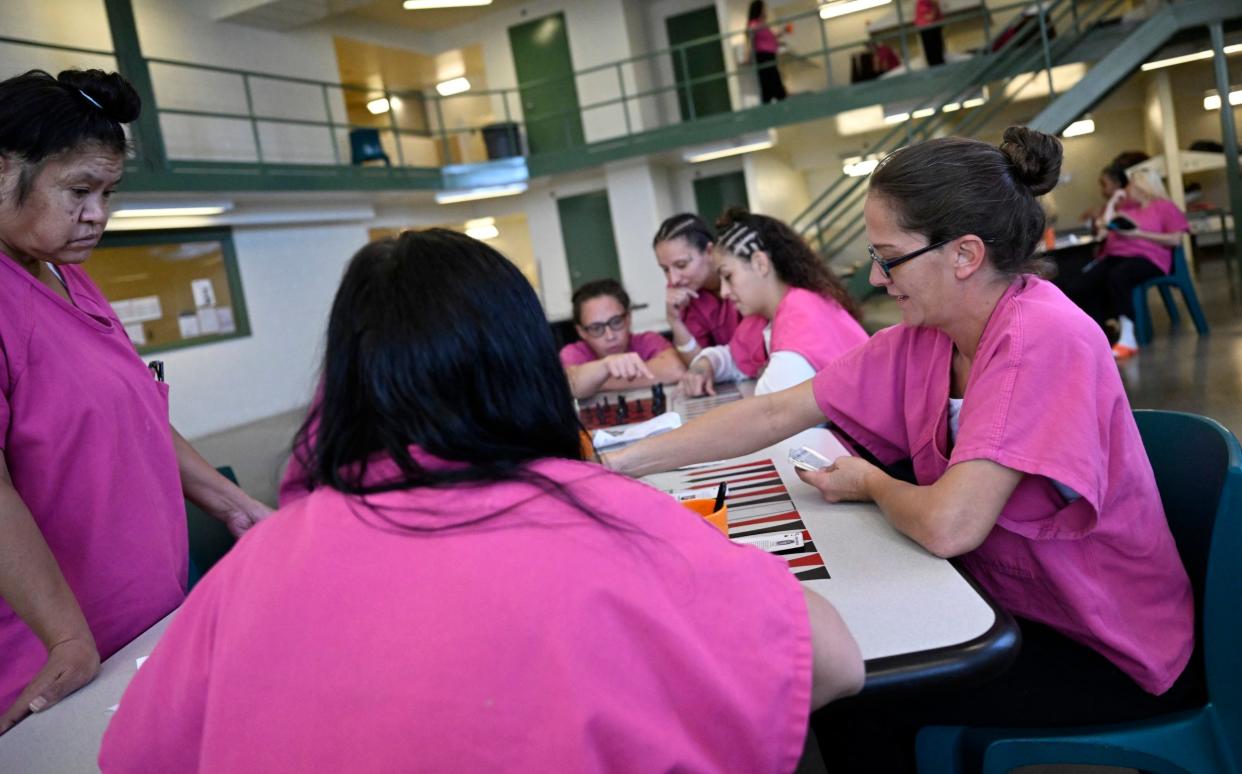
{"type": "Point", "coordinates": [1192, 305]}
{"type": "Point", "coordinates": [1142, 319]}
{"type": "Point", "coordinates": [1175, 317]}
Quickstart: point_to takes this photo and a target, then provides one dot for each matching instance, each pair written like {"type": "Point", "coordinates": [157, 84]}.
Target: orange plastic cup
{"type": "Point", "coordinates": [706, 508]}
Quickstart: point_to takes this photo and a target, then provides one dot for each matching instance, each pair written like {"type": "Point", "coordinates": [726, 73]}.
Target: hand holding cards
{"type": "Point", "coordinates": [809, 459]}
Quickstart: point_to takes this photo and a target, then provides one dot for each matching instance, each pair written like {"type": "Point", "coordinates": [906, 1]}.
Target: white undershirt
{"type": "Point", "coordinates": [955, 424]}
{"type": "Point", "coordinates": [785, 368]}
{"type": "Point", "coordinates": [56, 272]}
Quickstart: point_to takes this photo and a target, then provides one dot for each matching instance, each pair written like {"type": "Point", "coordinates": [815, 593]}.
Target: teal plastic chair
{"type": "Point", "coordinates": [364, 146]}
{"type": "Point", "coordinates": [209, 538]}
{"type": "Point", "coordinates": [1178, 278]}
{"type": "Point", "coordinates": [1198, 467]}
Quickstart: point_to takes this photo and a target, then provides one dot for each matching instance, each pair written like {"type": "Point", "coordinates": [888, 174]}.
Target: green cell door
{"type": "Point", "coordinates": [546, 83]}
{"type": "Point", "coordinates": [713, 195]}
{"type": "Point", "coordinates": [702, 88]}
{"type": "Point", "coordinates": [586, 229]}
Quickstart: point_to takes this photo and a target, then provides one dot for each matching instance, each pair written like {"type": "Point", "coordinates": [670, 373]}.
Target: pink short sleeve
{"type": "Point", "coordinates": [4, 395]}
{"type": "Point", "coordinates": [576, 354]}
{"type": "Point", "coordinates": [1172, 219]}
{"type": "Point", "coordinates": [648, 345]}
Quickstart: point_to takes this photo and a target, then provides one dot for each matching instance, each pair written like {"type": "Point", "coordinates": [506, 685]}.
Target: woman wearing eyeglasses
{"type": "Point", "coordinates": [609, 357]}
{"type": "Point", "coordinates": [1028, 465]}
{"type": "Point", "coordinates": [772, 275]}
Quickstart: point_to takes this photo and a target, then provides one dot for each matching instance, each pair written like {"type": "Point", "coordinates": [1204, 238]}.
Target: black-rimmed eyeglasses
{"type": "Point", "coordinates": [888, 264]}
{"type": "Point", "coordinates": [596, 329]}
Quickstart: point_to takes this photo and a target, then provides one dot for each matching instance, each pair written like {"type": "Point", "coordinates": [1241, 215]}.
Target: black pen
{"type": "Point", "coordinates": [157, 369]}
{"type": "Point", "coordinates": [720, 496]}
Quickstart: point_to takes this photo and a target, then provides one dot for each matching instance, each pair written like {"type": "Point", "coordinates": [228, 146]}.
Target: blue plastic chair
{"type": "Point", "coordinates": [1178, 278]}
{"type": "Point", "coordinates": [364, 145]}
{"type": "Point", "coordinates": [1198, 467]}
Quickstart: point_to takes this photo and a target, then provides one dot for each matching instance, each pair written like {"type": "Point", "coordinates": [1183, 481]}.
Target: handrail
{"type": "Point", "coordinates": [815, 219]}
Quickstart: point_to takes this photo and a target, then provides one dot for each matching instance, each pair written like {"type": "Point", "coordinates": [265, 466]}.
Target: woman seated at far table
{"type": "Point", "coordinates": [769, 272]}
{"type": "Point", "coordinates": [461, 591]}
{"type": "Point", "coordinates": [609, 356]}
{"type": "Point", "coordinates": [1027, 459]}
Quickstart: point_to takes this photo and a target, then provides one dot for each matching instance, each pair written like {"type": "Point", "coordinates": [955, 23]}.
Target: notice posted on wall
{"type": "Point", "coordinates": [188, 322]}
{"type": "Point", "coordinates": [137, 335]}
{"type": "Point", "coordinates": [138, 310]}
{"type": "Point", "coordinates": [204, 293]}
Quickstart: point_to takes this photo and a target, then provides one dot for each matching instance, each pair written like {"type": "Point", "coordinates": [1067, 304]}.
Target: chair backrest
{"type": "Point", "coordinates": [364, 145]}
{"type": "Point", "coordinates": [209, 538]}
{"type": "Point", "coordinates": [1198, 468]}
{"type": "Point", "coordinates": [1179, 268]}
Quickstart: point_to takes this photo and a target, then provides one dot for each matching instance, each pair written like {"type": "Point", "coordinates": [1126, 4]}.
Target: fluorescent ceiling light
{"type": "Point", "coordinates": [896, 118]}
{"type": "Point", "coordinates": [452, 86]}
{"type": "Point", "coordinates": [950, 107]}
{"type": "Point", "coordinates": [973, 103]}
{"type": "Point", "coordinates": [923, 113]}
{"type": "Point", "coordinates": [482, 229]}
{"type": "Point", "coordinates": [1212, 100]}
{"type": "Point", "coordinates": [482, 192]}
{"type": "Point", "coordinates": [423, 5]}
{"type": "Point", "coordinates": [173, 210]}
{"type": "Point", "coordinates": [837, 8]}
{"type": "Point", "coordinates": [738, 146]}
{"type": "Point", "coordinates": [377, 106]}
{"type": "Point", "coordinates": [1195, 57]}
{"type": "Point", "coordinates": [860, 167]}
{"type": "Point", "coordinates": [1079, 128]}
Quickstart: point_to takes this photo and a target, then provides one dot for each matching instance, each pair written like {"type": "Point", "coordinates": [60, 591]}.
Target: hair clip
{"type": "Point", "coordinates": [90, 99]}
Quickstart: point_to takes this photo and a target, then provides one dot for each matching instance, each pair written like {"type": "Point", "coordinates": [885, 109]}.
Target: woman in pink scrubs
{"type": "Point", "coordinates": [92, 520]}
{"type": "Point", "coordinates": [769, 272]}
{"type": "Point", "coordinates": [608, 356]}
{"type": "Point", "coordinates": [1027, 463]}
{"type": "Point", "coordinates": [461, 591]}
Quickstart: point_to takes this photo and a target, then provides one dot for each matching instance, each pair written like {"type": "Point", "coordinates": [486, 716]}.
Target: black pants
{"type": "Point", "coordinates": [1054, 682]}
{"type": "Point", "coordinates": [1104, 289]}
{"type": "Point", "coordinates": [771, 87]}
{"type": "Point", "coordinates": [933, 45]}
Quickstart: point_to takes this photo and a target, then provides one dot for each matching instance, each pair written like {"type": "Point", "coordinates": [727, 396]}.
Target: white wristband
{"type": "Point", "coordinates": [688, 347]}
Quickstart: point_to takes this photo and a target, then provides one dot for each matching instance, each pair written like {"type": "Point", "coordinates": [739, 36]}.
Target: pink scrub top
{"type": "Point", "coordinates": [762, 37]}
{"type": "Point", "coordinates": [85, 435]}
{"type": "Point", "coordinates": [633, 637]}
{"type": "Point", "coordinates": [647, 345]}
{"type": "Point", "coordinates": [710, 318]}
{"type": "Point", "coordinates": [1043, 397]}
{"type": "Point", "coordinates": [1159, 215]}
{"type": "Point", "coordinates": [817, 328]}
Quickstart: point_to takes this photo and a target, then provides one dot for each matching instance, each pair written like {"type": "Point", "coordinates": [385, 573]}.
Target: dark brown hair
{"type": "Point", "coordinates": [595, 289]}
{"type": "Point", "coordinates": [951, 186]}
{"type": "Point", "coordinates": [687, 226]}
{"type": "Point", "coordinates": [795, 262]}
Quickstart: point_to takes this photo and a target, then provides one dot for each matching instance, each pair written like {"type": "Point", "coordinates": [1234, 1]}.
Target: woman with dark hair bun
{"type": "Point", "coordinates": [92, 476]}
{"type": "Point", "coordinates": [770, 273]}
{"type": "Point", "coordinates": [1027, 462]}
{"type": "Point", "coordinates": [461, 591]}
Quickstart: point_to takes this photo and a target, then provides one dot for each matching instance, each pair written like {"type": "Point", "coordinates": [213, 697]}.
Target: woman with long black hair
{"type": "Point", "coordinates": [460, 591]}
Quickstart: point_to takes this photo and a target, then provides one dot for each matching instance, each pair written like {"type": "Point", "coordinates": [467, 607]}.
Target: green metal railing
{"type": "Point", "coordinates": [832, 221]}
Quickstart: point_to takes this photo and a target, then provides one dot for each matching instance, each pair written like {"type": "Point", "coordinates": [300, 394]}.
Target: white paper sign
{"type": "Point", "coordinates": [225, 316]}
{"type": "Point", "coordinates": [135, 310]}
{"type": "Point", "coordinates": [204, 292]}
{"type": "Point", "coordinates": [189, 325]}
{"type": "Point", "coordinates": [136, 334]}
{"type": "Point", "coordinates": [208, 321]}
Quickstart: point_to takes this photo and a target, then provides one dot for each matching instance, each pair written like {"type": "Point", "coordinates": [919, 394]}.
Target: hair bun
{"type": "Point", "coordinates": [1034, 156]}
{"type": "Point", "coordinates": [115, 95]}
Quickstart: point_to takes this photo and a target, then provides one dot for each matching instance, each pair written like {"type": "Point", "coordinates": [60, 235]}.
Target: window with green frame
{"type": "Point", "coordinates": [172, 289]}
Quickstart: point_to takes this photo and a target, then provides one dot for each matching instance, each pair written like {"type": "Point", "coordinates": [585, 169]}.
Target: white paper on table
{"type": "Point", "coordinates": [773, 541]}
{"type": "Point", "coordinates": [605, 437]}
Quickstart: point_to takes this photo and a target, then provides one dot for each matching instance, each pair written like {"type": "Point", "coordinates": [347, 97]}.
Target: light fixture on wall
{"type": "Point", "coordinates": [481, 192]}
{"type": "Point", "coordinates": [900, 112]}
{"type": "Point", "coordinates": [172, 210]}
{"type": "Point", "coordinates": [452, 86]}
{"type": "Point", "coordinates": [1084, 125]}
{"type": "Point", "coordinates": [426, 5]}
{"type": "Point", "coordinates": [482, 229]}
{"type": "Point", "coordinates": [747, 143]}
{"type": "Point", "coordinates": [1211, 101]}
{"type": "Point", "coordinates": [1184, 58]}
{"type": "Point", "coordinates": [377, 106]}
{"type": "Point", "coordinates": [835, 8]}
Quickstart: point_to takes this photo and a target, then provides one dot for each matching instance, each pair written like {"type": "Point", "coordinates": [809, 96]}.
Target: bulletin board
{"type": "Point", "coordinates": [172, 289]}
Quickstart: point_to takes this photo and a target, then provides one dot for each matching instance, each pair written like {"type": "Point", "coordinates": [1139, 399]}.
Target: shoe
{"type": "Point", "coordinates": [1122, 352]}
